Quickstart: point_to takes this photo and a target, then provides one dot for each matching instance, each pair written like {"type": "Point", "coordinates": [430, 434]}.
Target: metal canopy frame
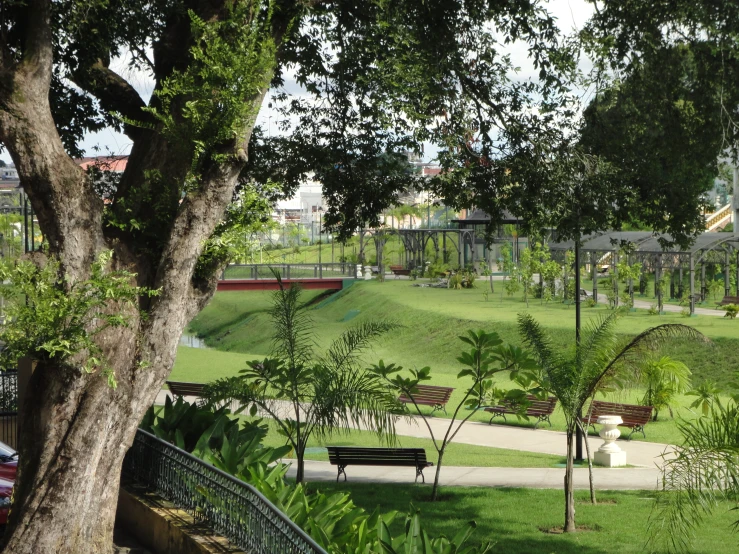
{"type": "Point", "coordinates": [708, 249]}
{"type": "Point", "coordinates": [415, 242]}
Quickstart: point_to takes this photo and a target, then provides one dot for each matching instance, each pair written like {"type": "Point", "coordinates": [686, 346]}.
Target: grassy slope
{"type": "Point", "coordinates": [512, 518]}
{"type": "Point", "coordinates": [433, 318]}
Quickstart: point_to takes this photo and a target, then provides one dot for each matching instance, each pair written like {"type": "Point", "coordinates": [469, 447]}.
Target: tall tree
{"type": "Point", "coordinates": [628, 37]}
{"type": "Point", "coordinates": [211, 63]}
{"type": "Point", "coordinates": [662, 132]}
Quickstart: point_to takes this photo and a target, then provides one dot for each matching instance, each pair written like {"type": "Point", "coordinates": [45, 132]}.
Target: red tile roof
{"type": "Point", "coordinates": [105, 163]}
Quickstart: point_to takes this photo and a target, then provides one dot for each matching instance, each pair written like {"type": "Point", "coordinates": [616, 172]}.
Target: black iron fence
{"type": "Point", "coordinates": [9, 408]}
{"type": "Point", "coordinates": [232, 508]}
{"type": "Point", "coordinates": [290, 271]}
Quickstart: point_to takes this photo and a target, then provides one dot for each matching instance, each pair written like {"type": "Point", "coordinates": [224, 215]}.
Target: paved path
{"type": "Point", "coordinates": [645, 455]}
{"type": "Point", "coordinates": [646, 304]}
{"type": "Point", "coordinates": [535, 478]}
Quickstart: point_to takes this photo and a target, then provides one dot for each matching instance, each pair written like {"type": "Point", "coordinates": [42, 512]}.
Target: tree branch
{"type": "Point", "coordinates": [114, 93]}
{"type": "Point", "coordinates": [38, 51]}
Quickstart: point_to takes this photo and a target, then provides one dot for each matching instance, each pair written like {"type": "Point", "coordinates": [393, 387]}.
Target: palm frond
{"type": "Point", "coordinates": [563, 377]}
{"type": "Point", "coordinates": [646, 341]}
{"type": "Point", "coordinates": [350, 399]}
{"type": "Point", "coordinates": [537, 339]}
{"type": "Point", "coordinates": [345, 350]}
{"type": "Point", "coordinates": [598, 345]}
{"type": "Point", "coordinates": [292, 325]}
{"type": "Point", "coordinates": [704, 472]}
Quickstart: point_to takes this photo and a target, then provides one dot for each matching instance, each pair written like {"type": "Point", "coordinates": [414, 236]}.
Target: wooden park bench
{"type": "Point", "coordinates": [728, 300]}
{"type": "Point", "coordinates": [540, 409]}
{"type": "Point", "coordinates": [635, 417]}
{"type": "Point", "coordinates": [399, 270]}
{"type": "Point", "coordinates": [585, 294]}
{"type": "Point", "coordinates": [429, 395]}
{"type": "Point", "coordinates": [343, 456]}
{"type": "Point", "coordinates": [178, 388]}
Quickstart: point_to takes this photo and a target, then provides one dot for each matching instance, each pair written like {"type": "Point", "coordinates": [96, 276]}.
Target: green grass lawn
{"type": "Point", "coordinates": [200, 365]}
{"type": "Point", "coordinates": [513, 519]}
{"type": "Point", "coordinates": [456, 454]}
{"type": "Point", "coordinates": [431, 320]}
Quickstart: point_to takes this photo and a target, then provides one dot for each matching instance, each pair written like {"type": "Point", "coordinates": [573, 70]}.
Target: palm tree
{"type": "Point", "coordinates": [704, 471]}
{"type": "Point", "coordinates": [664, 378]}
{"type": "Point", "coordinates": [307, 394]}
{"type": "Point", "coordinates": [574, 377]}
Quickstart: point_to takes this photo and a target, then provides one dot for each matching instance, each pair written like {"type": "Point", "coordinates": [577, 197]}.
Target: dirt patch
{"type": "Point", "coordinates": [560, 530]}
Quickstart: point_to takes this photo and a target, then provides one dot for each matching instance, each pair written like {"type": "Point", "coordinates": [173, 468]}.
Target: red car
{"type": "Point", "coordinates": [8, 468]}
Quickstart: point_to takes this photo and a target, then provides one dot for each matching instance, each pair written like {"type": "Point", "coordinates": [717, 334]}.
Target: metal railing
{"type": "Point", "coordinates": [718, 217]}
{"type": "Point", "coordinates": [230, 507]}
{"type": "Point", "coordinates": [9, 408]}
{"type": "Point", "coordinates": [290, 271]}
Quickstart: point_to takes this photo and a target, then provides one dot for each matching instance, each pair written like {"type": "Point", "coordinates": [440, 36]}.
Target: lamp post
{"type": "Point", "coordinates": [320, 242]}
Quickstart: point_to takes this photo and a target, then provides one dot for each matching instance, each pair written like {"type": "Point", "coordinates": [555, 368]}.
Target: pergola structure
{"type": "Point", "coordinates": [479, 220]}
{"type": "Point", "coordinates": [708, 250]}
{"type": "Point", "coordinates": [416, 241]}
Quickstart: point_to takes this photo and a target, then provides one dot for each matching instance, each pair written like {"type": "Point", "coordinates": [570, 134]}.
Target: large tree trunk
{"type": "Point", "coordinates": [69, 472]}
{"type": "Point", "coordinates": [75, 429]}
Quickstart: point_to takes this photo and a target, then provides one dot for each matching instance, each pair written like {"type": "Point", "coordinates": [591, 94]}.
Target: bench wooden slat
{"type": "Point", "coordinates": [634, 417]}
{"type": "Point", "coordinates": [429, 395]}
{"type": "Point", "coordinates": [178, 388]}
{"type": "Point", "coordinates": [399, 270]}
{"type": "Point", "coordinates": [729, 300]}
{"type": "Point", "coordinates": [541, 409]}
{"type": "Point", "coordinates": [343, 456]}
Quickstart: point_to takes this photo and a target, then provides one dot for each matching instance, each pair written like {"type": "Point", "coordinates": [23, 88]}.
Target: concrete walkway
{"type": "Point", "coordinates": [646, 455]}
{"type": "Point", "coordinates": [533, 478]}
{"type": "Point", "coordinates": [646, 304]}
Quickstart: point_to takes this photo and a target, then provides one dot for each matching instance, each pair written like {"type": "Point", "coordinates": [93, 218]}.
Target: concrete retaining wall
{"type": "Point", "coordinates": [164, 529]}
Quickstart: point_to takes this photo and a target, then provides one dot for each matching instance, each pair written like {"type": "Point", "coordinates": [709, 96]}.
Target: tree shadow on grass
{"type": "Point", "coordinates": [511, 519]}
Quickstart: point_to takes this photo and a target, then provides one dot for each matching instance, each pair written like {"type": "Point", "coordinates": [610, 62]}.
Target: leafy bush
{"type": "Point", "coordinates": [653, 310]}
{"type": "Point", "coordinates": [706, 396]}
{"type": "Point", "coordinates": [438, 269]}
{"type": "Point", "coordinates": [332, 520]}
{"type": "Point", "coordinates": [52, 319]}
{"type": "Point", "coordinates": [182, 423]}
{"type": "Point", "coordinates": [731, 311]}
{"type": "Point", "coordinates": [664, 378]}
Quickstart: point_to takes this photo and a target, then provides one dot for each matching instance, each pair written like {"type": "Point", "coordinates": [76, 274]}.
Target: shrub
{"type": "Point", "coordinates": [332, 520]}
{"type": "Point", "coordinates": [455, 281]}
{"type": "Point", "coordinates": [664, 378]}
{"type": "Point", "coordinates": [731, 311]}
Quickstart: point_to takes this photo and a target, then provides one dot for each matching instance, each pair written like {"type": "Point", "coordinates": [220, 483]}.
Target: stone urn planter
{"type": "Point", "coordinates": [609, 454]}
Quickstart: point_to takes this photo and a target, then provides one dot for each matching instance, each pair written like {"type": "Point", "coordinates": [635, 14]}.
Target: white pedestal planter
{"type": "Point", "coordinates": [359, 271]}
{"type": "Point", "coordinates": [367, 273]}
{"type": "Point", "coordinates": [609, 454]}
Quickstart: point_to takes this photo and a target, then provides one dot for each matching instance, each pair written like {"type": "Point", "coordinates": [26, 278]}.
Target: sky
{"type": "Point", "coordinates": [571, 15]}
